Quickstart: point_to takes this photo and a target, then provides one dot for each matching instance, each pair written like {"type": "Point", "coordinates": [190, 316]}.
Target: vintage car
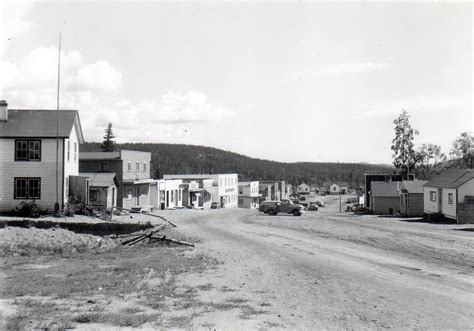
{"type": "Point", "coordinates": [283, 206]}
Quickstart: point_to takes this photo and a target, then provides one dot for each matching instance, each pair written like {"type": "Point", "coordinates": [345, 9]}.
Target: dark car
{"type": "Point", "coordinates": [215, 205]}
{"type": "Point", "coordinates": [284, 206]}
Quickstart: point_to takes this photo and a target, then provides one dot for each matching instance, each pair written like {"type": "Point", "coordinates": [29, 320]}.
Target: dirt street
{"type": "Point", "coordinates": [322, 270]}
{"type": "Point", "coordinates": [326, 269]}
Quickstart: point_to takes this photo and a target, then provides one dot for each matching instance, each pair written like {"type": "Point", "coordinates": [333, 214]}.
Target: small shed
{"type": "Point", "coordinates": [102, 189]}
{"type": "Point", "coordinates": [411, 197]}
{"type": "Point", "coordinates": [303, 188]}
{"type": "Point", "coordinates": [385, 198]}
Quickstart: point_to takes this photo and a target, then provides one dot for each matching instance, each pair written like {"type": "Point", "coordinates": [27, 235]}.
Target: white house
{"type": "Point", "coordinates": [451, 194]}
{"type": "Point", "coordinates": [338, 188]}
{"type": "Point", "coordinates": [249, 195]}
{"type": "Point", "coordinates": [28, 156]}
{"type": "Point", "coordinates": [224, 187]}
{"type": "Point", "coordinates": [302, 188]}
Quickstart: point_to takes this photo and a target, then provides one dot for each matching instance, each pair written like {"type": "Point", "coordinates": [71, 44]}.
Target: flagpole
{"type": "Point", "coordinates": [56, 206]}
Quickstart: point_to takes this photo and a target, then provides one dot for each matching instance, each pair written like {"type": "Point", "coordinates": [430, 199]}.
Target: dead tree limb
{"type": "Point", "coordinates": [146, 213]}
{"type": "Point", "coordinates": [147, 234]}
{"type": "Point", "coordinates": [180, 242]}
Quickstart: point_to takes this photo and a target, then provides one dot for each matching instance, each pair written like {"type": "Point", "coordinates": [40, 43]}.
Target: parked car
{"type": "Point", "coordinates": [215, 205]}
{"type": "Point", "coordinates": [284, 206]}
{"type": "Point", "coordinates": [320, 203]}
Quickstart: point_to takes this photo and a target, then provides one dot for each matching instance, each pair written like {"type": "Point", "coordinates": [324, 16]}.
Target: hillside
{"type": "Point", "coordinates": [187, 159]}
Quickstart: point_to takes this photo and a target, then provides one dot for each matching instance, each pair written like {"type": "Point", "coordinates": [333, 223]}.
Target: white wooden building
{"type": "Point", "coordinates": [28, 156]}
{"type": "Point", "coordinates": [450, 194]}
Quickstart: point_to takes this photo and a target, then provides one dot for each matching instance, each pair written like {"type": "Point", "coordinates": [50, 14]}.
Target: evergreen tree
{"type": "Point", "coordinates": [404, 155]}
{"type": "Point", "coordinates": [108, 145]}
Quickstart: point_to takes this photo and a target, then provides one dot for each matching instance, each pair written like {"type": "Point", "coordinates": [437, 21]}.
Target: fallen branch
{"type": "Point", "coordinates": [146, 213]}
{"type": "Point", "coordinates": [179, 242]}
{"type": "Point", "coordinates": [147, 234]}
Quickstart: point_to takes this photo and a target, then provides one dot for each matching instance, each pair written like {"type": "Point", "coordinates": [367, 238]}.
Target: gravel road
{"type": "Point", "coordinates": [327, 270]}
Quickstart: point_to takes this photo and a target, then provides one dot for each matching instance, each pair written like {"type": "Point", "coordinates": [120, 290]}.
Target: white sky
{"type": "Point", "coordinates": [292, 81]}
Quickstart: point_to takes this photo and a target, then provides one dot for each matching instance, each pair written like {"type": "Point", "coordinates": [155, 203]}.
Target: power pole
{"type": "Point", "coordinates": [56, 205]}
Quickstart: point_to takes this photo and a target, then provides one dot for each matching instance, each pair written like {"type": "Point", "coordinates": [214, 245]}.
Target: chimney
{"type": "Point", "coordinates": [3, 111]}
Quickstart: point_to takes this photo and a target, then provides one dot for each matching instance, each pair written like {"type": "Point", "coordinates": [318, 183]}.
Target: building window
{"type": "Point", "coordinates": [144, 166]}
{"type": "Point", "coordinates": [172, 196]}
{"type": "Point", "coordinates": [75, 152]}
{"type": "Point", "coordinates": [450, 198]}
{"type": "Point", "coordinates": [68, 150]}
{"type": "Point", "coordinates": [66, 189]}
{"type": "Point", "coordinates": [104, 166]}
{"type": "Point", "coordinates": [137, 166]}
{"type": "Point", "coordinates": [179, 196]}
{"type": "Point", "coordinates": [27, 188]}
{"type": "Point", "coordinates": [241, 190]}
{"type": "Point", "coordinates": [28, 150]}
{"type": "Point", "coordinates": [129, 167]}
{"type": "Point", "coordinates": [144, 191]}
{"type": "Point", "coordinates": [433, 195]}
{"type": "Point", "coordinates": [129, 193]}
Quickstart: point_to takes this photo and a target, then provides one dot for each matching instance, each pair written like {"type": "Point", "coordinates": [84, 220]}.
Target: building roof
{"type": "Point", "coordinates": [452, 178]}
{"type": "Point", "coordinates": [385, 189]}
{"type": "Point", "coordinates": [413, 186]}
{"type": "Point", "coordinates": [99, 156]}
{"type": "Point", "coordinates": [101, 179]}
{"type": "Point", "coordinates": [40, 123]}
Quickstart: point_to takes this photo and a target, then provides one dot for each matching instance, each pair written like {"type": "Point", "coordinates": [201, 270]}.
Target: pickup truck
{"type": "Point", "coordinates": [284, 206]}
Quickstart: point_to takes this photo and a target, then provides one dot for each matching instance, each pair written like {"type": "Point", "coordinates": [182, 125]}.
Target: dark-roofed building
{"type": "Point", "coordinates": [411, 197]}
{"type": "Point", "coordinates": [385, 198]}
{"type": "Point", "coordinates": [28, 156]}
{"type": "Point", "coordinates": [369, 178]}
{"type": "Point", "coordinates": [133, 175]}
{"type": "Point", "coordinates": [450, 194]}
{"type": "Point", "coordinates": [102, 189]}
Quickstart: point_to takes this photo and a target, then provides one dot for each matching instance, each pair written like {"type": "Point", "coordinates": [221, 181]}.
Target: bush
{"type": "Point", "coordinates": [29, 209]}
{"type": "Point", "coordinates": [76, 206]}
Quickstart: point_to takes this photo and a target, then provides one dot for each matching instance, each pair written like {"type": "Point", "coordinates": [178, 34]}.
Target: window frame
{"type": "Point", "coordinates": [137, 166]}
{"type": "Point", "coordinates": [28, 181]}
{"type": "Point", "coordinates": [433, 196]}
{"type": "Point", "coordinates": [27, 150]}
{"type": "Point", "coordinates": [144, 166]}
{"type": "Point", "coordinates": [129, 166]}
{"type": "Point", "coordinates": [450, 198]}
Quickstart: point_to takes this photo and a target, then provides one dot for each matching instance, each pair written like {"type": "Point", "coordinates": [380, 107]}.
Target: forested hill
{"type": "Point", "coordinates": [191, 159]}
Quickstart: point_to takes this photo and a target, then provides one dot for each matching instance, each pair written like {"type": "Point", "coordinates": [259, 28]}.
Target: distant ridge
{"type": "Point", "coordinates": [189, 159]}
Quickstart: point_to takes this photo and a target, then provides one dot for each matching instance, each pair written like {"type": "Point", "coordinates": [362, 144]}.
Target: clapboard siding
{"type": "Point", "coordinates": [71, 164]}
{"type": "Point", "coordinates": [382, 205]}
{"type": "Point", "coordinates": [430, 207]}
{"type": "Point", "coordinates": [449, 209]}
{"type": "Point", "coordinates": [465, 189]}
{"type": "Point", "coordinates": [44, 169]}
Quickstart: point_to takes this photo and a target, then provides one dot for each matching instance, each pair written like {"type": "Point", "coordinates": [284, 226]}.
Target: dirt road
{"type": "Point", "coordinates": [327, 270]}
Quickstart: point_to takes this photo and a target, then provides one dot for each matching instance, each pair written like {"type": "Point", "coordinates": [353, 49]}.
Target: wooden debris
{"type": "Point", "coordinates": [147, 234]}
{"type": "Point", "coordinates": [147, 213]}
{"type": "Point", "coordinates": [179, 242]}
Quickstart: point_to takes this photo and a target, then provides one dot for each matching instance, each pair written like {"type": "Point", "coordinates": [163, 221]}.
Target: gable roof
{"type": "Point", "coordinates": [101, 179]}
{"type": "Point", "coordinates": [413, 186]}
{"type": "Point", "coordinates": [40, 123]}
{"type": "Point", "coordinates": [452, 178]}
{"type": "Point", "coordinates": [385, 189]}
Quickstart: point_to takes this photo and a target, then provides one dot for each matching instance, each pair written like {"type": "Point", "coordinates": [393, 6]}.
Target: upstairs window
{"type": "Point", "coordinates": [68, 150]}
{"type": "Point", "coordinates": [129, 167]}
{"type": "Point", "coordinates": [137, 166]}
{"type": "Point", "coordinates": [27, 188]}
{"type": "Point", "coordinates": [75, 152]}
{"type": "Point", "coordinates": [104, 166]}
{"type": "Point", "coordinates": [144, 166]}
{"type": "Point", "coordinates": [28, 150]}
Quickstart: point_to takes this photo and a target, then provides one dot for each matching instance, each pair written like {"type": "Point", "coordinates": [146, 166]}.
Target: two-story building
{"type": "Point", "coordinates": [133, 174]}
{"type": "Point", "coordinates": [249, 196]}
{"type": "Point", "coordinates": [224, 190]}
{"type": "Point", "coordinates": [38, 155]}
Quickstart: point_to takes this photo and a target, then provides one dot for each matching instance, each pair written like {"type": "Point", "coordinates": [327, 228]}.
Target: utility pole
{"type": "Point", "coordinates": [56, 205]}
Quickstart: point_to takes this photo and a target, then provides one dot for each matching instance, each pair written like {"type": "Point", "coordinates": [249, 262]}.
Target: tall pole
{"type": "Point", "coordinates": [56, 205]}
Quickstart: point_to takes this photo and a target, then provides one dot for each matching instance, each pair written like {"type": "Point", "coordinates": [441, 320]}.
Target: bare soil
{"type": "Point", "coordinates": [324, 269]}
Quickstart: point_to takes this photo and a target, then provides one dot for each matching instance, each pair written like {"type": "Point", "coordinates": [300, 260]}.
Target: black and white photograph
{"type": "Point", "coordinates": [236, 165]}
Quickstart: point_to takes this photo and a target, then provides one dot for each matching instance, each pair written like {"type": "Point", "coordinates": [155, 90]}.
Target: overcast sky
{"type": "Point", "coordinates": [292, 81]}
